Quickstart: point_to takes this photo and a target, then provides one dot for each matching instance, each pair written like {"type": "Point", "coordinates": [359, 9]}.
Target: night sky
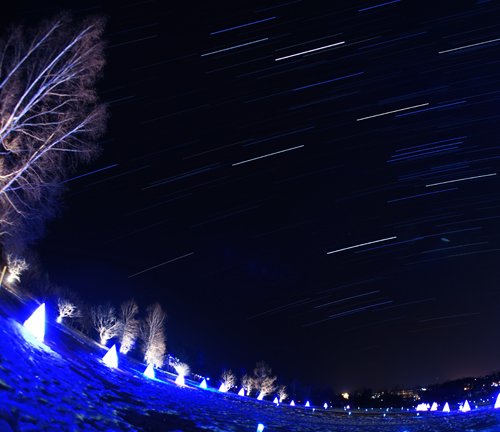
{"type": "Point", "coordinates": [314, 184]}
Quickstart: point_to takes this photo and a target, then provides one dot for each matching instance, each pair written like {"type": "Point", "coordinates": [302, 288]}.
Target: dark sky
{"type": "Point", "coordinates": [241, 150]}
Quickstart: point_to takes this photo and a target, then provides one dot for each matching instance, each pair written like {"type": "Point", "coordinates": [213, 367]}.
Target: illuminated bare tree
{"type": "Point", "coordinates": [49, 117]}
{"type": "Point", "coordinates": [248, 384]}
{"type": "Point", "coordinates": [67, 309]}
{"type": "Point", "coordinates": [228, 379]}
{"type": "Point", "coordinates": [105, 322]}
{"type": "Point", "coordinates": [282, 393]}
{"type": "Point", "coordinates": [264, 380]}
{"type": "Point", "coordinates": [16, 266]}
{"type": "Point", "coordinates": [130, 325]}
{"type": "Point", "coordinates": [153, 335]}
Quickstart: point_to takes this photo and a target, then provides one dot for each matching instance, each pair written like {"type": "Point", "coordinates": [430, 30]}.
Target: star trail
{"type": "Point", "coordinates": [294, 180]}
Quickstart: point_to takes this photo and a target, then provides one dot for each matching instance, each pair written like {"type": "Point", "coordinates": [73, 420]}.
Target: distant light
{"type": "Point", "coordinates": [325, 405]}
{"type": "Point", "coordinates": [466, 406]}
{"type": "Point", "coordinates": [180, 380]}
{"type": "Point", "coordinates": [260, 427]}
{"type": "Point", "coordinates": [345, 395]}
{"type": "Point", "coordinates": [434, 406]}
{"type": "Point", "coordinates": [150, 371]}
{"type": "Point", "coordinates": [292, 403]}
{"type": "Point", "coordinates": [241, 392]}
{"type": "Point", "coordinates": [422, 407]}
{"type": "Point", "coordinates": [35, 324]}
{"type": "Point", "coordinates": [307, 404]}
{"type": "Point", "coordinates": [497, 403]}
{"type": "Point", "coordinates": [446, 407]}
{"type": "Point", "coordinates": [223, 388]}
{"type": "Point", "coordinates": [111, 358]}
{"type": "Point", "coordinates": [203, 384]}
{"type": "Point", "coordinates": [260, 396]}
{"type": "Point", "coordinates": [276, 401]}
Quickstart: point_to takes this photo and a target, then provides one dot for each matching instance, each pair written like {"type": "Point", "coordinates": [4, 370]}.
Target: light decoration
{"type": "Point", "coordinates": [150, 371]}
{"type": "Point", "coordinates": [180, 381]}
{"type": "Point", "coordinates": [465, 406]}
{"type": "Point", "coordinates": [497, 402]}
{"type": "Point", "coordinates": [35, 324]}
{"type": "Point", "coordinates": [203, 384]}
{"type": "Point", "coordinates": [260, 396]}
{"type": "Point", "coordinates": [345, 395]}
{"type": "Point", "coordinates": [446, 407]}
{"type": "Point", "coordinates": [325, 405]}
{"type": "Point", "coordinates": [307, 404]}
{"type": "Point", "coordinates": [111, 357]}
{"type": "Point", "coordinates": [276, 401]}
{"type": "Point", "coordinates": [434, 406]}
{"type": "Point", "coordinates": [241, 392]}
{"type": "Point", "coordinates": [260, 427]}
{"type": "Point", "coordinates": [223, 388]}
{"type": "Point", "coordinates": [292, 403]}
{"type": "Point", "coordinates": [422, 407]}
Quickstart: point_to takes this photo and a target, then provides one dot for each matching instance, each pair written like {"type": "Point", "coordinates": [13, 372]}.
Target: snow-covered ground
{"type": "Point", "coordinates": [64, 386]}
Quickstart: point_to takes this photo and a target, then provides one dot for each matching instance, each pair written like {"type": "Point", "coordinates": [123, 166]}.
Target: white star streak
{"type": "Point", "coordinates": [391, 112]}
{"type": "Point", "coordinates": [362, 244]}
{"type": "Point", "coordinates": [161, 264]}
{"type": "Point", "coordinates": [234, 47]}
{"type": "Point", "coordinates": [469, 46]}
{"type": "Point", "coordinates": [309, 51]}
{"type": "Point", "coordinates": [461, 179]}
{"type": "Point", "coordinates": [269, 154]}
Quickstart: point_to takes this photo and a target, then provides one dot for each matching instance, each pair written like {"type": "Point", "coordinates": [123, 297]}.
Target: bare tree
{"type": "Point", "coordinates": [228, 379]}
{"type": "Point", "coordinates": [282, 393]}
{"type": "Point", "coordinates": [264, 380]}
{"type": "Point", "coordinates": [16, 266]}
{"type": "Point", "coordinates": [49, 117]}
{"type": "Point", "coordinates": [153, 335]}
{"type": "Point", "coordinates": [130, 325]}
{"type": "Point", "coordinates": [67, 309]}
{"type": "Point", "coordinates": [248, 384]}
{"type": "Point", "coordinates": [105, 322]}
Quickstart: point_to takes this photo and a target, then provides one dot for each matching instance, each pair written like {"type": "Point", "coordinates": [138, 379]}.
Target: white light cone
{"type": "Point", "coordinates": [325, 405]}
{"type": "Point", "coordinates": [261, 396]}
{"type": "Point", "coordinates": [35, 324]}
{"type": "Point", "coordinates": [497, 403]}
{"type": "Point", "coordinates": [276, 401]}
{"type": "Point", "coordinates": [223, 388]}
{"type": "Point", "coordinates": [292, 403]}
{"type": "Point", "coordinates": [260, 427]}
{"type": "Point", "coordinates": [180, 380]}
{"type": "Point", "coordinates": [434, 406]}
{"type": "Point", "coordinates": [111, 358]}
{"type": "Point", "coordinates": [150, 371]}
{"type": "Point", "coordinates": [466, 406]}
{"type": "Point", "coordinates": [307, 404]}
{"type": "Point", "coordinates": [241, 392]}
{"type": "Point", "coordinates": [446, 407]}
{"type": "Point", "coordinates": [203, 384]}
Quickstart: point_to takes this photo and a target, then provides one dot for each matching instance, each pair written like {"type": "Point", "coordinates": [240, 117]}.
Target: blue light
{"type": "Point", "coordinates": [35, 324]}
{"type": "Point", "coordinates": [203, 384]}
{"type": "Point", "coordinates": [111, 358]}
{"type": "Point", "coordinates": [260, 427]}
{"type": "Point", "coordinates": [150, 371]}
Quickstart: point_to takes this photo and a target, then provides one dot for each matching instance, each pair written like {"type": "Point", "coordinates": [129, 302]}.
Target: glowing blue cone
{"type": "Point", "coordinates": [203, 384]}
{"type": "Point", "coordinates": [276, 401]}
{"type": "Point", "coordinates": [260, 427]}
{"type": "Point", "coordinates": [223, 388]}
{"type": "Point", "coordinates": [307, 404]}
{"type": "Point", "coordinates": [111, 358]}
{"type": "Point", "coordinates": [292, 403]}
{"type": "Point", "coordinates": [325, 405]}
{"type": "Point", "coordinates": [35, 324]}
{"type": "Point", "coordinates": [241, 392]}
{"type": "Point", "coordinates": [434, 406]}
{"type": "Point", "coordinates": [497, 403]}
{"type": "Point", "coordinates": [150, 371]}
{"type": "Point", "coordinates": [261, 396]}
{"type": "Point", "coordinates": [446, 407]}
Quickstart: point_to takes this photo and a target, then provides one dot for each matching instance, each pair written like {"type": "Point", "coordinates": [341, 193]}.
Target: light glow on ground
{"type": "Point", "coordinates": [35, 324]}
